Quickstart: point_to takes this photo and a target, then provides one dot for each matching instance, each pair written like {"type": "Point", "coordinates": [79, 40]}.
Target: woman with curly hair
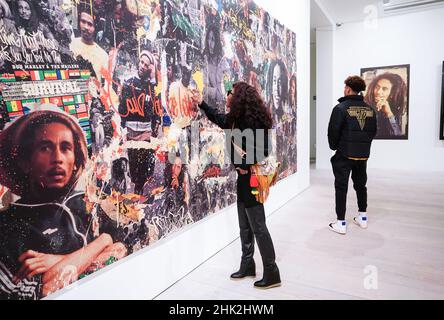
{"type": "Point", "coordinates": [249, 123]}
{"type": "Point", "coordinates": [387, 94]}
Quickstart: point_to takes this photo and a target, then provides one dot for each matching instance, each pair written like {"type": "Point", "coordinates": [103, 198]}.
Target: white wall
{"type": "Point", "coordinates": [414, 39]}
{"type": "Point", "coordinates": [148, 272]}
{"type": "Point", "coordinates": [324, 93]}
{"type": "Point", "coordinates": [312, 101]}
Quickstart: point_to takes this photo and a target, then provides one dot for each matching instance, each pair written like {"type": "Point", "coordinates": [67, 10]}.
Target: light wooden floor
{"type": "Point", "coordinates": [404, 244]}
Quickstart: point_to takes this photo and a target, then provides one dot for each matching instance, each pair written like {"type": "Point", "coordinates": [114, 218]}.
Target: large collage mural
{"type": "Point", "coordinates": [102, 152]}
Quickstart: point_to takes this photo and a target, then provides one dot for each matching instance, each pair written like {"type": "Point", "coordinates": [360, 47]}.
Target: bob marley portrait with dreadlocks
{"type": "Point", "coordinates": [387, 92]}
{"type": "Point", "coordinates": [48, 238]}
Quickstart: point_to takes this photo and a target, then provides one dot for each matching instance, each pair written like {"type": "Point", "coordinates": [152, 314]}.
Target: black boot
{"type": "Point", "coordinates": [247, 266]}
{"type": "Point", "coordinates": [271, 277]}
{"type": "Point", "coordinates": [247, 269]}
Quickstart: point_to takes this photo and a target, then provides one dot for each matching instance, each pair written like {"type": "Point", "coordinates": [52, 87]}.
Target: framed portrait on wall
{"type": "Point", "coordinates": [388, 92]}
{"type": "Point", "coordinates": [441, 126]}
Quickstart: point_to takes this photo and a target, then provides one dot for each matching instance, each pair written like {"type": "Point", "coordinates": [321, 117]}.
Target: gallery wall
{"type": "Point", "coordinates": [414, 39]}
{"type": "Point", "coordinates": [151, 270]}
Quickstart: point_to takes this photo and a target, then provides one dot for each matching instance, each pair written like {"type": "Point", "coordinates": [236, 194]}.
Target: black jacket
{"type": "Point", "coordinates": [352, 127]}
{"type": "Point", "coordinates": [59, 227]}
{"type": "Point", "coordinates": [55, 228]}
{"type": "Point", "coordinates": [260, 148]}
{"type": "Point", "coordinates": [257, 148]}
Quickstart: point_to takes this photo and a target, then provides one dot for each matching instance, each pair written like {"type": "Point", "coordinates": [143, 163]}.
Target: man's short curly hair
{"type": "Point", "coordinates": [356, 83]}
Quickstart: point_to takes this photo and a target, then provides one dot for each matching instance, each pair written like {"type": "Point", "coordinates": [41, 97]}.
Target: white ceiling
{"type": "Point", "coordinates": [317, 16]}
{"type": "Point", "coordinates": [344, 11]}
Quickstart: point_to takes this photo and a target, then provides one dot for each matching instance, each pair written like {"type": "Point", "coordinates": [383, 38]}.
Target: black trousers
{"type": "Point", "coordinates": [252, 225]}
{"type": "Point", "coordinates": [342, 167]}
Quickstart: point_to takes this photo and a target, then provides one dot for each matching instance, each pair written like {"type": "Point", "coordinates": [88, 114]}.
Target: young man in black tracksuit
{"type": "Point", "coordinates": [351, 130]}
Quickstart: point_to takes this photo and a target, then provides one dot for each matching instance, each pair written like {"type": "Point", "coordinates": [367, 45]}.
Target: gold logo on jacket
{"type": "Point", "coordinates": [360, 113]}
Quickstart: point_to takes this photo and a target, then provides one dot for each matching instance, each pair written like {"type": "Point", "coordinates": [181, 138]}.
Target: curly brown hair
{"type": "Point", "coordinates": [356, 83]}
{"type": "Point", "coordinates": [248, 109]}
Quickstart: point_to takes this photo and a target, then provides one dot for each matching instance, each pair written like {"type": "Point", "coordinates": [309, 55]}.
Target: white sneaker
{"type": "Point", "coordinates": [361, 220]}
{"type": "Point", "coordinates": [338, 226]}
